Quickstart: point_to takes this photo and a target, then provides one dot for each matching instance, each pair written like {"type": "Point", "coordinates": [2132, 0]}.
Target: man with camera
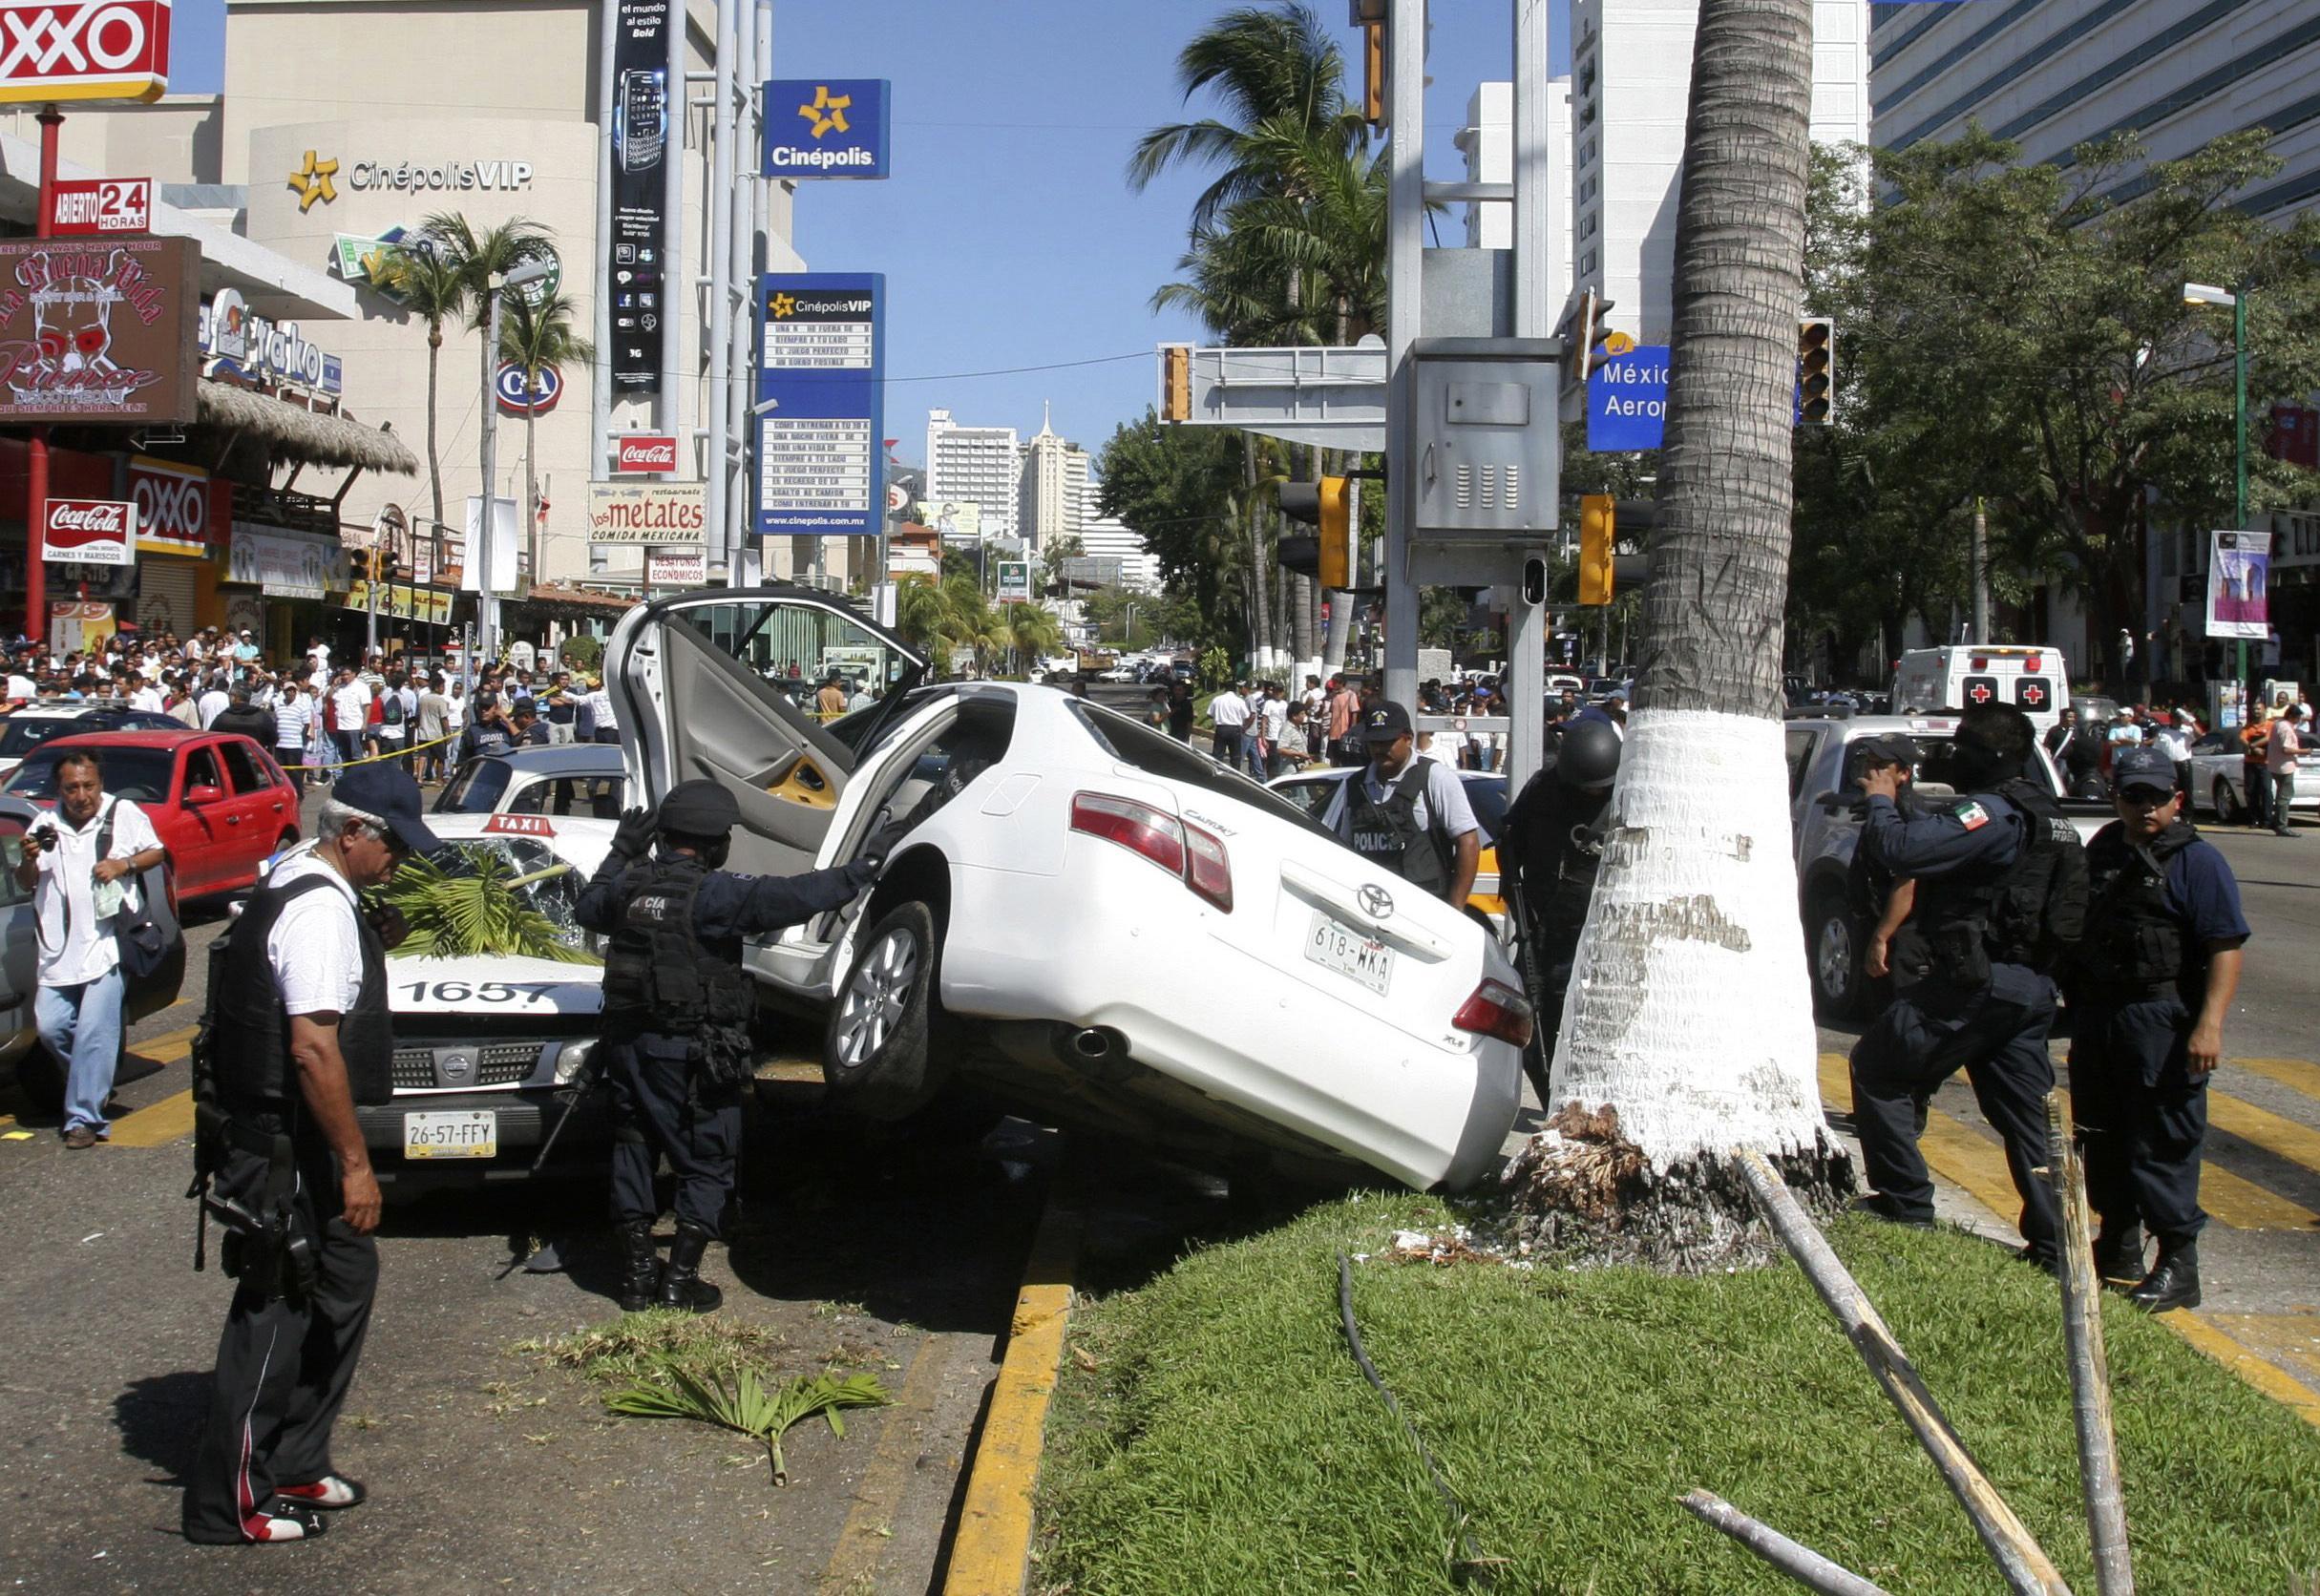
{"type": "Point", "coordinates": [81, 862]}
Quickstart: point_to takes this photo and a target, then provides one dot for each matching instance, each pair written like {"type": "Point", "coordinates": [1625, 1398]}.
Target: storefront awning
{"type": "Point", "coordinates": [292, 432]}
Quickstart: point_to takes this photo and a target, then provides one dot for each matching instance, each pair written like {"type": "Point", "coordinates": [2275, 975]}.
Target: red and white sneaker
{"type": "Point", "coordinates": [283, 1520]}
{"type": "Point", "coordinates": [330, 1493]}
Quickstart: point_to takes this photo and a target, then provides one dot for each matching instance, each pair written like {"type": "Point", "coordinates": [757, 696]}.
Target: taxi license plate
{"type": "Point", "coordinates": [1334, 945]}
{"type": "Point", "coordinates": [470, 1133]}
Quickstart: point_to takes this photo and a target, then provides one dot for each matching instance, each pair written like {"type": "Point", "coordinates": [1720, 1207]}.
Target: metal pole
{"type": "Point", "coordinates": [742, 244]}
{"type": "Point", "coordinates": [1404, 261]}
{"type": "Point", "coordinates": [715, 416]}
{"type": "Point", "coordinates": [2239, 449]}
{"type": "Point", "coordinates": [1534, 213]}
{"type": "Point", "coordinates": [36, 449]}
{"type": "Point", "coordinates": [487, 519]}
{"type": "Point", "coordinates": [599, 396]}
{"type": "Point", "coordinates": [759, 259]}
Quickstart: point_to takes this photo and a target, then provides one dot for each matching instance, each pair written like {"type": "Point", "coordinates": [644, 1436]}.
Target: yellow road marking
{"type": "Point", "coordinates": [2275, 1133]}
{"type": "Point", "coordinates": [167, 1049]}
{"type": "Point", "coordinates": [993, 1547]}
{"type": "Point", "coordinates": [2242, 1205]}
{"type": "Point", "coordinates": [791, 1071]}
{"type": "Point", "coordinates": [156, 1126]}
{"type": "Point", "coordinates": [2269, 1379]}
{"type": "Point", "coordinates": [2295, 1073]}
{"type": "Point", "coordinates": [2291, 1340]}
{"type": "Point", "coordinates": [869, 1526]}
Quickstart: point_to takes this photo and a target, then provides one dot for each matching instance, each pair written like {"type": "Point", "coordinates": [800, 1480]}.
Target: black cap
{"type": "Point", "coordinates": [388, 791]}
{"type": "Point", "coordinates": [1384, 721]}
{"type": "Point", "coordinates": [2147, 767]}
{"type": "Point", "coordinates": [699, 809]}
{"type": "Point", "coordinates": [1891, 748]}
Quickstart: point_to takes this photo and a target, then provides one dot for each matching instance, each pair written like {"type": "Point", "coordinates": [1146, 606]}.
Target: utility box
{"type": "Point", "coordinates": [1484, 452]}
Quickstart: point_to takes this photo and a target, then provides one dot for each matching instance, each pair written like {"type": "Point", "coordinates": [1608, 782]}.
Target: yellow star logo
{"type": "Point", "coordinates": [784, 306]}
{"type": "Point", "coordinates": [828, 112]}
{"type": "Point", "coordinates": [1617, 343]}
{"type": "Point", "coordinates": [314, 180]}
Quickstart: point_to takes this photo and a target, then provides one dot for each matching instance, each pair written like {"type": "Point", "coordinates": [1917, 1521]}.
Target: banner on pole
{"type": "Point", "coordinates": [642, 134]}
{"type": "Point", "coordinates": [821, 455]}
{"type": "Point", "coordinates": [2239, 582]}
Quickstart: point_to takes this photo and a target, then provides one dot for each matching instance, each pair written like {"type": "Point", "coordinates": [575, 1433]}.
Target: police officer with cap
{"type": "Point", "coordinates": [2148, 989]}
{"type": "Point", "coordinates": [1407, 813]}
{"type": "Point", "coordinates": [1994, 869]}
{"type": "Point", "coordinates": [1549, 852]}
{"type": "Point", "coordinates": [677, 1008]}
{"type": "Point", "coordinates": [297, 1034]}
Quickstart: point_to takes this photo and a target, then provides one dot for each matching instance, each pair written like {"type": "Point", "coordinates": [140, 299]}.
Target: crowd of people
{"type": "Point", "coordinates": [2271, 740]}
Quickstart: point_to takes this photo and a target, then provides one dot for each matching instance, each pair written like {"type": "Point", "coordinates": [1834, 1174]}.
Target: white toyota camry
{"type": "Point", "coordinates": [1085, 918]}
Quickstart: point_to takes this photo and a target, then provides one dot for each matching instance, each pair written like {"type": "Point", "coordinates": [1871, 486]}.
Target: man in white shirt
{"type": "Point", "coordinates": [349, 713]}
{"type": "Point", "coordinates": [2287, 742]}
{"type": "Point", "coordinates": [148, 697]}
{"type": "Point", "coordinates": [82, 864]}
{"type": "Point", "coordinates": [600, 712]}
{"type": "Point", "coordinates": [1408, 815]}
{"type": "Point", "coordinates": [214, 699]}
{"type": "Point", "coordinates": [1229, 713]}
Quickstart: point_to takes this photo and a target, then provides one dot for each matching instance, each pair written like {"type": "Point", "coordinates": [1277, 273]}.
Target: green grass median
{"type": "Point", "coordinates": [1212, 1433]}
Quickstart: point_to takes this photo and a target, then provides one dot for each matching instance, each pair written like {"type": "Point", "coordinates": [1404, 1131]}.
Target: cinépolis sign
{"type": "Point", "coordinates": [442, 177]}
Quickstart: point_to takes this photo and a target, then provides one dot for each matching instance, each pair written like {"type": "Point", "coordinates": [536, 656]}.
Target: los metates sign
{"type": "Point", "coordinates": [97, 331]}
{"type": "Point", "coordinates": [646, 512]}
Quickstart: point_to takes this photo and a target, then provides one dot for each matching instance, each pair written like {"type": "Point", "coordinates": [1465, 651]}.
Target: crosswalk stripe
{"type": "Point", "coordinates": [2295, 1073]}
{"type": "Point", "coordinates": [156, 1124]}
{"type": "Point", "coordinates": [168, 1047]}
{"type": "Point", "coordinates": [2275, 1133]}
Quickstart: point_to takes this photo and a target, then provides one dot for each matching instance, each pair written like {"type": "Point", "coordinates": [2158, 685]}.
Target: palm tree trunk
{"type": "Point", "coordinates": [434, 459]}
{"type": "Point", "coordinates": [1689, 1009]}
{"type": "Point", "coordinates": [1260, 603]}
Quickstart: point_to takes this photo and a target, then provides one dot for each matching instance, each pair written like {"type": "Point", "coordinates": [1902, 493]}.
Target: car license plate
{"type": "Point", "coordinates": [1335, 945]}
{"type": "Point", "coordinates": [470, 1133]}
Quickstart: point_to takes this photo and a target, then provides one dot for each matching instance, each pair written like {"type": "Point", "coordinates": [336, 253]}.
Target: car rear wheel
{"type": "Point", "coordinates": [2229, 810]}
{"type": "Point", "coordinates": [878, 1056]}
{"type": "Point", "coordinates": [1837, 981]}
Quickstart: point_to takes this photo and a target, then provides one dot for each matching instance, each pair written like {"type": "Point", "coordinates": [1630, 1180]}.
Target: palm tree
{"type": "Point", "coordinates": [435, 289]}
{"type": "Point", "coordinates": [539, 338]}
{"type": "Point", "coordinates": [1033, 633]}
{"type": "Point", "coordinates": [478, 257]}
{"type": "Point", "coordinates": [1689, 1012]}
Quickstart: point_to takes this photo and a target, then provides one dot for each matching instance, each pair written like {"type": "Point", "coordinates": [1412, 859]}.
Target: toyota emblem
{"type": "Point", "coordinates": [1377, 902]}
{"type": "Point", "coordinates": [456, 1067]}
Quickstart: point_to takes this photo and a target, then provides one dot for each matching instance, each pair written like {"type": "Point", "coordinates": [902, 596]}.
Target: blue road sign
{"type": "Point", "coordinates": [821, 456]}
{"type": "Point", "coordinates": [833, 127]}
{"type": "Point", "coordinates": [1626, 399]}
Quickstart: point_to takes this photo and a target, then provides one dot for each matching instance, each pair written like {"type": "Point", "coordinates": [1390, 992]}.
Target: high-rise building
{"type": "Point", "coordinates": [1488, 141]}
{"type": "Point", "coordinates": [1630, 67]}
{"type": "Point", "coordinates": [974, 465]}
{"type": "Point", "coordinates": [1054, 487]}
{"type": "Point", "coordinates": [1109, 538]}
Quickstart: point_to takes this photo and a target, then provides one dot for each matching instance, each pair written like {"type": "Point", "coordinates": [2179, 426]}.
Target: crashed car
{"type": "Point", "coordinates": [487, 1045]}
{"type": "Point", "coordinates": [1084, 919]}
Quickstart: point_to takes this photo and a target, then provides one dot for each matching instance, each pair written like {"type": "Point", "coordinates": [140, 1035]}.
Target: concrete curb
{"type": "Point", "coordinates": [991, 1555]}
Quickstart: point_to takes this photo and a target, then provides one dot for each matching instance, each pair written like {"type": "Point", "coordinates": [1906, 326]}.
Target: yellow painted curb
{"type": "Point", "coordinates": [2269, 1379]}
{"type": "Point", "coordinates": [993, 1550]}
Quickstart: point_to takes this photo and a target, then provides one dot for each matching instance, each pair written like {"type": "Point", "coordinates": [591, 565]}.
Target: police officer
{"type": "Point", "coordinates": [1988, 867]}
{"type": "Point", "coordinates": [677, 1007]}
{"type": "Point", "coordinates": [1407, 813]}
{"type": "Point", "coordinates": [2149, 989]}
{"type": "Point", "coordinates": [296, 1033]}
{"type": "Point", "coordinates": [1549, 852]}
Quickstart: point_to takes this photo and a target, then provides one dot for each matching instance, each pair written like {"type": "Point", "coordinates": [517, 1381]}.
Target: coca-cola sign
{"type": "Point", "coordinates": [83, 49]}
{"type": "Point", "coordinates": [90, 531]}
{"type": "Point", "coordinates": [644, 452]}
{"type": "Point", "coordinates": [172, 503]}
{"type": "Point", "coordinates": [98, 331]}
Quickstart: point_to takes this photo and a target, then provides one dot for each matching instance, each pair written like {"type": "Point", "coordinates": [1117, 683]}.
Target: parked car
{"type": "Point", "coordinates": [2219, 782]}
{"type": "Point", "coordinates": [578, 779]}
{"type": "Point", "coordinates": [1827, 810]}
{"type": "Point", "coordinates": [1314, 790]}
{"type": "Point", "coordinates": [25, 729]}
{"type": "Point", "coordinates": [1084, 918]}
{"type": "Point", "coordinates": [39, 1075]}
{"type": "Point", "coordinates": [216, 800]}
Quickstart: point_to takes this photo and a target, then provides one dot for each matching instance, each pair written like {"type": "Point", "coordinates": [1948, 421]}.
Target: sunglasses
{"type": "Point", "coordinates": [2147, 798]}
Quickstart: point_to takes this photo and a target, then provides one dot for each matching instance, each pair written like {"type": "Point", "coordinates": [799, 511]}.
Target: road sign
{"type": "Point", "coordinates": [84, 205]}
{"type": "Point", "coordinates": [1626, 399]}
{"type": "Point", "coordinates": [833, 127]}
{"type": "Point", "coordinates": [83, 49]}
{"type": "Point", "coordinates": [1014, 581]}
{"type": "Point", "coordinates": [821, 407]}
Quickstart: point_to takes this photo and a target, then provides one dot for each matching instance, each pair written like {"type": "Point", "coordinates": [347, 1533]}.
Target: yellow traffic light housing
{"type": "Point", "coordinates": [1595, 535]}
{"type": "Point", "coordinates": [1816, 370]}
{"type": "Point", "coordinates": [1175, 382]}
{"type": "Point", "coordinates": [1336, 534]}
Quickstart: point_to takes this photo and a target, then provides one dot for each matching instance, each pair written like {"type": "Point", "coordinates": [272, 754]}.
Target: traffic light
{"type": "Point", "coordinates": [1324, 505]}
{"type": "Point", "coordinates": [1596, 528]}
{"type": "Point", "coordinates": [1175, 382]}
{"type": "Point", "coordinates": [1816, 370]}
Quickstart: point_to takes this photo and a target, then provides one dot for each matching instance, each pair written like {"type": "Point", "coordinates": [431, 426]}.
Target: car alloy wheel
{"type": "Point", "coordinates": [878, 996]}
{"type": "Point", "coordinates": [1836, 976]}
{"type": "Point", "coordinates": [887, 1051]}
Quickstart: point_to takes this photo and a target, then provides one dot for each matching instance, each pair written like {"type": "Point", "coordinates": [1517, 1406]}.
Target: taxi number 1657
{"type": "Point", "coordinates": [472, 992]}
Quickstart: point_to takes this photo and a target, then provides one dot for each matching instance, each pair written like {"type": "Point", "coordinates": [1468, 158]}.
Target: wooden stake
{"type": "Point", "coordinates": [2090, 1368]}
{"type": "Point", "coordinates": [2027, 1569]}
{"type": "Point", "coordinates": [1801, 1563]}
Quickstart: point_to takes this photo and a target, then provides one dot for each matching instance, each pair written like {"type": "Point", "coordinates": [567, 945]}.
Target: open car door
{"type": "Point", "coordinates": [722, 684]}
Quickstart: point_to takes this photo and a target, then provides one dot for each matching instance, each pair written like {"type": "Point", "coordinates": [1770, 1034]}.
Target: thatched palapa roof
{"type": "Point", "coordinates": [289, 431]}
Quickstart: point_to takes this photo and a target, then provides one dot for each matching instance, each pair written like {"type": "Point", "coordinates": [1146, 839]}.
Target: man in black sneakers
{"type": "Point", "coordinates": [296, 1033]}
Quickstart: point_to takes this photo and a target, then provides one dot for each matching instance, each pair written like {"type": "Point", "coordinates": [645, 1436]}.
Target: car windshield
{"type": "Point", "coordinates": [475, 788]}
{"type": "Point", "coordinates": [550, 885]}
{"type": "Point", "coordinates": [1132, 743]}
{"type": "Point", "coordinates": [800, 646]}
{"type": "Point", "coordinates": [139, 774]}
{"type": "Point", "coordinates": [24, 733]}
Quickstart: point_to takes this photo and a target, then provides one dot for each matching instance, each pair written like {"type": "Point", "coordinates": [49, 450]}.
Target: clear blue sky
{"type": "Point", "coordinates": [1006, 232]}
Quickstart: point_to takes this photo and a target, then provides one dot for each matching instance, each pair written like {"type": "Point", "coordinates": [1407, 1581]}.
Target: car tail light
{"type": "Point", "coordinates": [1187, 853]}
{"type": "Point", "coordinates": [1496, 1009]}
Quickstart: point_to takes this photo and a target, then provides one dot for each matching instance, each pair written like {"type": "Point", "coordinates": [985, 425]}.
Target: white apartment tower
{"type": "Point", "coordinates": [1630, 72]}
{"type": "Point", "coordinates": [1108, 537]}
{"type": "Point", "coordinates": [974, 465]}
{"type": "Point", "coordinates": [1054, 487]}
{"type": "Point", "coordinates": [1488, 141]}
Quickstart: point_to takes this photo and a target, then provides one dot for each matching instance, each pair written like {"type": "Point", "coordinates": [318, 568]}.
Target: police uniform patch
{"type": "Point", "coordinates": [1971, 815]}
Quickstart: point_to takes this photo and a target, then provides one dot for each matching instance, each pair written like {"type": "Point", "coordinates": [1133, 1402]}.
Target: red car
{"type": "Point", "coordinates": [218, 800]}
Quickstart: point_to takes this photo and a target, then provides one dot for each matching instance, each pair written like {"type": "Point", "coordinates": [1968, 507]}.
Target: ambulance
{"type": "Point", "coordinates": [1947, 681]}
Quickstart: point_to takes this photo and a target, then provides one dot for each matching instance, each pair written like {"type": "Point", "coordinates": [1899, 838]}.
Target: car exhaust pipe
{"type": "Point", "coordinates": [1090, 1050]}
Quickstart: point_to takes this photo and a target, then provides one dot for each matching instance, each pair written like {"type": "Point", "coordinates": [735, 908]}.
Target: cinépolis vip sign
{"type": "Point", "coordinates": [820, 409]}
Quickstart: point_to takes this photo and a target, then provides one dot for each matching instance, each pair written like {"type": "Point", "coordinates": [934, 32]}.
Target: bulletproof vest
{"type": "Point", "coordinates": [1389, 834]}
{"type": "Point", "coordinates": [1553, 836]}
{"type": "Point", "coordinates": [2029, 911]}
{"type": "Point", "coordinates": [2133, 940]}
{"type": "Point", "coordinates": [244, 1059]}
{"type": "Point", "coordinates": [660, 976]}
{"type": "Point", "coordinates": [488, 739]}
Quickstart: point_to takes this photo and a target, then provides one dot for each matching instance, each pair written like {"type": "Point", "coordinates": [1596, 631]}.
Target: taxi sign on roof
{"type": "Point", "coordinates": [518, 826]}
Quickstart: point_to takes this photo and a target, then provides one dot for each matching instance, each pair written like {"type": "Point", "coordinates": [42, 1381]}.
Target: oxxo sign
{"type": "Point", "coordinates": [107, 49]}
{"type": "Point", "coordinates": [634, 452]}
{"type": "Point", "coordinates": [172, 503]}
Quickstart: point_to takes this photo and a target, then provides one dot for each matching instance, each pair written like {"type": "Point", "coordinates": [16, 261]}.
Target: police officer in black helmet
{"type": "Point", "coordinates": [1549, 852]}
{"type": "Point", "coordinates": [2149, 987]}
{"type": "Point", "coordinates": [2000, 894]}
{"type": "Point", "coordinates": [677, 1006]}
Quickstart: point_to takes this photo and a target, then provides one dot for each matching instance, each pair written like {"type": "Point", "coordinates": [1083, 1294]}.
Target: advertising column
{"type": "Point", "coordinates": [821, 407]}
{"type": "Point", "coordinates": [643, 136]}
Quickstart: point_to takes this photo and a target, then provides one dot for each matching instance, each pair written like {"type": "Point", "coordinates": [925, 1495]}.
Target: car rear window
{"type": "Point", "coordinates": [1488, 798]}
{"type": "Point", "coordinates": [1158, 754]}
{"type": "Point", "coordinates": [138, 774]}
{"type": "Point", "coordinates": [475, 787]}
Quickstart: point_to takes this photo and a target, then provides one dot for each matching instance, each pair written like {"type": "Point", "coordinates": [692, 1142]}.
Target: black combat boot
{"type": "Point", "coordinates": [640, 1266]}
{"type": "Point", "coordinates": [681, 1283]}
{"type": "Point", "coordinates": [2173, 1281]}
{"type": "Point", "coordinates": [2120, 1256]}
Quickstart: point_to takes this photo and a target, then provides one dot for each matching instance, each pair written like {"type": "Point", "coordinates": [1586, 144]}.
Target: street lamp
{"type": "Point", "coordinates": [487, 519]}
{"type": "Point", "coordinates": [2201, 293]}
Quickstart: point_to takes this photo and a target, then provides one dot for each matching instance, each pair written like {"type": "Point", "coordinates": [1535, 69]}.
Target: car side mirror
{"type": "Point", "coordinates": [196, 796]}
